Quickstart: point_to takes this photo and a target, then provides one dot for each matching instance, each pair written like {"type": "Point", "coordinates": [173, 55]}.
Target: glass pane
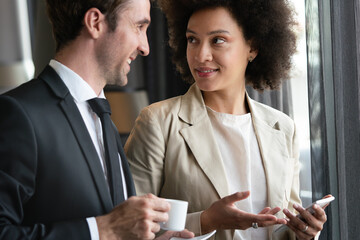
{"type": "Point", "coordinates": [299, 92]}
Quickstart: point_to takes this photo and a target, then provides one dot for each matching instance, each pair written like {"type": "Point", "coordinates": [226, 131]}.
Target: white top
{"type": "Point", "coordinates": [244, 169]}
{"type": "Point", "coordinates": [81, 92]}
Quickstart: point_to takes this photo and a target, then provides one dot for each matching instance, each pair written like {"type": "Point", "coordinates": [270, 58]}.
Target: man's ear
{"type": "Point", "coordinates": [94, 22]}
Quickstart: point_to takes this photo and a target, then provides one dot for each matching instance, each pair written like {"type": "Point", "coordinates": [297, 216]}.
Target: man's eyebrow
{"type": "Point", "coordinates": [209, 33]}
{"type": "Point", "coordinates": [144, 21]}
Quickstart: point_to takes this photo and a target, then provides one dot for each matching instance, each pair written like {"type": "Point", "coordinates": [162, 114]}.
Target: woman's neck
{"type": "Point", "coordinates": [231, 102]}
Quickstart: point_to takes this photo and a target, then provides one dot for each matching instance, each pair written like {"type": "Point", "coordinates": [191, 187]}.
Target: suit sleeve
{"type": "Point", "coordinates": [18, 169]}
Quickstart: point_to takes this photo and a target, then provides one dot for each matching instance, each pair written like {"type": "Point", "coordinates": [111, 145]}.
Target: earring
{"type": "Point", "coordinates": [251, 59]}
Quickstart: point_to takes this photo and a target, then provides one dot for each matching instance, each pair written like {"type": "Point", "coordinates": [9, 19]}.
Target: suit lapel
{"type": "Point", "coordinates": [125, 166]}
{"type": "Point", "coordinates": [273, 150]}
{"type": "Point", "coordinates": [206, 151]}
{"type": "Point", "coordinates": [81, 133]}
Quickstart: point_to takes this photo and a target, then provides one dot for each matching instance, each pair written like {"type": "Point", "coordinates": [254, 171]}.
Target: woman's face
{"type": "Point", "coordinates": [217, 52]}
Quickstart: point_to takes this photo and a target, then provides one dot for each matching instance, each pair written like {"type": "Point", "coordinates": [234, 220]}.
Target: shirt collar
{"type": "Point", "coordinates": [78, 87]}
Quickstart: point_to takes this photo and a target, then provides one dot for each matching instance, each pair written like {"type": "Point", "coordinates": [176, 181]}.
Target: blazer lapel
{"type": "Point", "coordinates": [273, 151]}
{"type": "Point", "coordinates": [206, 151]}
{"type": "Point", "coordinates": [81, 133]}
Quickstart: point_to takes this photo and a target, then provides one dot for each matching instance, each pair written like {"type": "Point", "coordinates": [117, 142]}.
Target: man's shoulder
{"type": "Point", "coordinates": [37, 88]}
{"type": "Point", "coordinates": [29, 94]}
{"type": "Point", "coordinates": [25, 89]}
{"type": "Point", "coordinates": [34, 97]}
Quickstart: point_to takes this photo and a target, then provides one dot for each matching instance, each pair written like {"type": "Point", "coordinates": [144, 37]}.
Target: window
{"type": "Point", "coordinates": [299, 93]}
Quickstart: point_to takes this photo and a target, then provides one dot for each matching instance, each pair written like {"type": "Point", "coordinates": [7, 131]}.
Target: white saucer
{"type": "Point", "coordinates": [202, 237]}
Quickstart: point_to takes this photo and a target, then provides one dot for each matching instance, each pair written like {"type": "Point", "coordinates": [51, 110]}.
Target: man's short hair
{"type": "Point", "coordinates": [66, 16]}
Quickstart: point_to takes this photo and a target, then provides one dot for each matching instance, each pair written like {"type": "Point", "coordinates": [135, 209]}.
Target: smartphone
{"type": "Point", "coordinates": [321, 202]}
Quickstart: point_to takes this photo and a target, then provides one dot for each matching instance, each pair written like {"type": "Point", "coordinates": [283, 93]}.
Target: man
{"type": "Point", "coordinates": [54, 178]}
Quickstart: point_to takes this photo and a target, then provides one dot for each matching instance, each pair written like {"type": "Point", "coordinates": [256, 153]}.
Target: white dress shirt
{"type": "Point", "coordinates": [244, 169]}
{"type": "Point", "coordinates": [81, 92]}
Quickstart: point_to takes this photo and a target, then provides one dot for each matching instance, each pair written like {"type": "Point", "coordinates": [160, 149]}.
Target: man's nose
{"type": "Point", "coordinates": [144, 48]}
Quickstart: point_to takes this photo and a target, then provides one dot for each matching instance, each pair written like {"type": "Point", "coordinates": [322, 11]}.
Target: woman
{"type": "Point", "coordinates": [227, 155]}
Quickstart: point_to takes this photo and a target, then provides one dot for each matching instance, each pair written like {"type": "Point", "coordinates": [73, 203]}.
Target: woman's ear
{"type": "Point", "coordinates": [94, 22]}
{"type": "Point", "coordinates": [253, 53]}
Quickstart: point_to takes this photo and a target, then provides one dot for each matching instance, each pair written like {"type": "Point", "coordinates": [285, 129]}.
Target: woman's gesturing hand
{"type": "Point", "coordinates": [223, 214]}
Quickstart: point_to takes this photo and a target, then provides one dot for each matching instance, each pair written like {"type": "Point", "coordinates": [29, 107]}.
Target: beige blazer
{"type": "Point", "coordinates": [173, 153]}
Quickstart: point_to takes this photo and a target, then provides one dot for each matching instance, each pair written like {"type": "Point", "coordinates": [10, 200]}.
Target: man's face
{"type": "Point", "coordinates": [118, 48]}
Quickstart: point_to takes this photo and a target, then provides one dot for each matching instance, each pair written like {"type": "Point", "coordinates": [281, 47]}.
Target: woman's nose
{"type": "Point", "coordinates": [204, 53]}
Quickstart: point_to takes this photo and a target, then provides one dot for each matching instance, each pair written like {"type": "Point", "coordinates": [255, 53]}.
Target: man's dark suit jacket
{"type": "Point", "coordinates": [51, 178]}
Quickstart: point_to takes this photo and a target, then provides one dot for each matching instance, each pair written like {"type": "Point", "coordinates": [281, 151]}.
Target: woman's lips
{"type": "Point", "coordinates": [206, 72]}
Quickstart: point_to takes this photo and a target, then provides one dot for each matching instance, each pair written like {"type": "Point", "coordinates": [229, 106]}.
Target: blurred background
{"type": "Point", "coordinates": [322, 95]}
{"type": "Point", "coordinates": [26, 47]}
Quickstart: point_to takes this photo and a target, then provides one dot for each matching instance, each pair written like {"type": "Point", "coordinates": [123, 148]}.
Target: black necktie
{"type": "Point", "coordinates": [102, 108]}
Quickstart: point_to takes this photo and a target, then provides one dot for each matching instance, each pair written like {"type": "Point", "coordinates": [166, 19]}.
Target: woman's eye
{"type": "Point", "coordinates": [190, 40]}
{"type": "Point", "coordinates": [218, 40]}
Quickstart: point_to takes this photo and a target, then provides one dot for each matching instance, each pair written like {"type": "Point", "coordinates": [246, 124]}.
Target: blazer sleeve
{"type": "Point", "coordinates": [294, 194]}
{"type": "Point", "coordinates": [18, 165]}
{"type": "Point", "coordinates": [145, 151]}
{"type": "Point", "coordinates": [295, 189]}
{"type": "Point", "coordinates": [294, 185]}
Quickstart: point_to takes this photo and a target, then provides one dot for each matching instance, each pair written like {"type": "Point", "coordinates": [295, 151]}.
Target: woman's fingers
{"type": "Point", "coordinates": [233, 198]}
{"type": "Point", "coordinates": [307, 225]}
{"type": "Point", "coordinates": [272, 211]}
{"type": "Point", "coordinates": [319, 213]}
{"type": "Point", "coordinates": [265, 210]}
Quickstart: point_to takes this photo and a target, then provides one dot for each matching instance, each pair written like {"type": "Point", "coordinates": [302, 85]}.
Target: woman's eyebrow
{"type": "Point", "coordinates": [209, 33]}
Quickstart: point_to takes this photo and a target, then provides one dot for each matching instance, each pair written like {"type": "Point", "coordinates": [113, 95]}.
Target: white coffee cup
{"type": "Point", "coordinates": [177, 216]}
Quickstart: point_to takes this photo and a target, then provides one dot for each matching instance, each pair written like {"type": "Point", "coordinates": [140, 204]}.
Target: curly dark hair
{"type": "Point", "coordinates": [269, 24]}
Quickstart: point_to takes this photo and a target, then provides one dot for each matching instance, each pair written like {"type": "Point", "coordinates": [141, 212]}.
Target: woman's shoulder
{"type": "Point", "coordinates": [172, 106]}
{"type": "Point", "coordinates": [272, 117]}
{"type": "Point", "coordinates": [266, 109]}
{"type": "Point", "coordinates": [163, 108]}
